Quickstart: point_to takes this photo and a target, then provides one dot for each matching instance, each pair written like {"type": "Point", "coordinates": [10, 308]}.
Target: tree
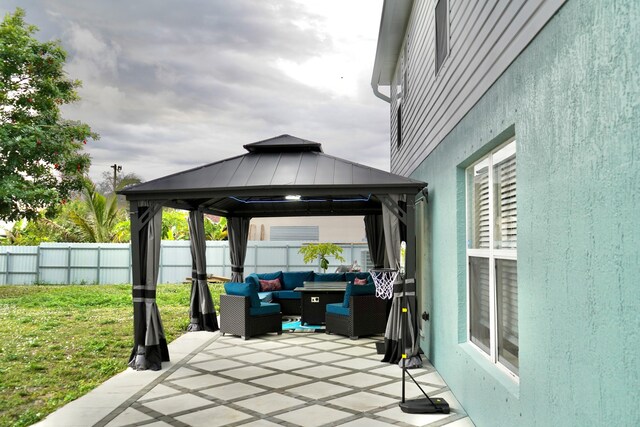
{"type": "Point", "coordinates": [312, 251]}
{"type": "Point", "coordinates": [216, 230]}
{"type": "Point", "coordinates": [99, 216]}
{"type": "Point", "coordinates": [105, 186]}
{"type": "Point", "coordinates": [42, 229]}
{"type": "Point", "coordinates": [41, 154]}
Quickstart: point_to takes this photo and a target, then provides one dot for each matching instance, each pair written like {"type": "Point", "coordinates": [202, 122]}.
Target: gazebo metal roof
{"type": "Point", "coordinates": [256, 184]}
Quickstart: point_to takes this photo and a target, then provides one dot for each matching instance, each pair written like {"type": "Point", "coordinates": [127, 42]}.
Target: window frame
{"type": "Point", "coordinates": [491, 254]}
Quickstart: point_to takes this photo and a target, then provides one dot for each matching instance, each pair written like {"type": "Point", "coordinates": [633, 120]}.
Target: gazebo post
{"type": "Point", "coordinates": [410, 251]}
{"type": "Point", "coordinates": [150, 346]}
{"type": "Point", "coordinates": [136, 279]}
{"type": "Point", "coordinates": [201, 309]}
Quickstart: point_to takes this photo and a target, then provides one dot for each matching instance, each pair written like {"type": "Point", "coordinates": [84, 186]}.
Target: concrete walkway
{"type": "Point", "coordinates": [294, 379]}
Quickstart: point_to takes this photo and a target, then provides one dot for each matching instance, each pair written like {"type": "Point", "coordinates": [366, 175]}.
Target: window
{"type": "Point", "coordinates": [442, 32]}
{"type": "Point", "coordinates": [492, 231]}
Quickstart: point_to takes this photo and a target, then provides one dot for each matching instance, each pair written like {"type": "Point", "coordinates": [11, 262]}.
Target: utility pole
{"type": "Point", "coordinates": [116, 168]}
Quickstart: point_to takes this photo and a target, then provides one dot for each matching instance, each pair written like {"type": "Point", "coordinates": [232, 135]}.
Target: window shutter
{"type": "Point", "coordinates": [507, 293]}
{"type": "Point", "coordinates": [480, 301]}
{"type": "Point", "coordinates": [481, 209]}
{"type": "Point", "coordinates": [506, 225]}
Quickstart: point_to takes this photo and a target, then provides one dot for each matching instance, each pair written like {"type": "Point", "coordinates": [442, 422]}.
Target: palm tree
{"type": "Point", "coordinates": [98, 217]}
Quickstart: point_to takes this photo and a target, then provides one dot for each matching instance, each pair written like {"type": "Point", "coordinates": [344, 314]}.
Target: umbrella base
{"type": "Point", "coordinates": [425, 406]}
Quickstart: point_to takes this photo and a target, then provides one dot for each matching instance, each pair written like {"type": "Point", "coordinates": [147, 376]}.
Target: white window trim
{"type": "Point", "coordinates": [491, 254]}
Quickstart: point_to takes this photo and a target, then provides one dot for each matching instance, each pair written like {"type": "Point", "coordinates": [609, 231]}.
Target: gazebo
{"type": "Point", "coordinates": [282, 176]}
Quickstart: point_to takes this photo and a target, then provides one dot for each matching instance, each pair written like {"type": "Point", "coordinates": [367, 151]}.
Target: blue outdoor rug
{"type": "Point", "coordinates": [292, 324]}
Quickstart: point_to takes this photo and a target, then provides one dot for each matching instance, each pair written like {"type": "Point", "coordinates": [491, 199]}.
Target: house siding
{"type": "Point", "coordinates": [572, 99]}
{"type": "Point", "coordinates": [484, 38]}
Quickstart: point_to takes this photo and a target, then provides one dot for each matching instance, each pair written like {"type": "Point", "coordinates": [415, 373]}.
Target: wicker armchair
{"type": "Point", "coordinates": [367, 316]}
{"type": "Point", "coordinates": [236, 320]}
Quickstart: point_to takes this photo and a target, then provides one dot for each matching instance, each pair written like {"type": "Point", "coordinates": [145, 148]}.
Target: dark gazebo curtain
{"type": "Point", "coordinates": [150, 345]}
{"type": "Point", "coordinates": [201, 309]}
{"type": "Point", "coordinates": [373, 226]}
{"type": "Point", "coordinates": [395, 233]}
{"type": "Point", "coordinates": [392, 237]}
{"type": "Point", "coordinates": [238, 228]}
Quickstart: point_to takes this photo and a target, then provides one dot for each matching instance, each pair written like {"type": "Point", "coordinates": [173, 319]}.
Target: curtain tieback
{"type": "Point", "coordinates": [237, 269]}
{"type": "Point", "coordinates": [144, 293]}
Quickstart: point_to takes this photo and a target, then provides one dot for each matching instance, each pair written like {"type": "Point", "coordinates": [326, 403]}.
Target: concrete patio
{"type": "Point", "coordinates": [294, 379]}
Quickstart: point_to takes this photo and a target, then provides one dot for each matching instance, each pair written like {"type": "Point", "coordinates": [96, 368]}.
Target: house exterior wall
{"type": "Point", "coordinates": [336, 229]}
{"type": "Point", "coordinates": [484, 38]}
{"type": "Point", "coordinates": [572, 100]}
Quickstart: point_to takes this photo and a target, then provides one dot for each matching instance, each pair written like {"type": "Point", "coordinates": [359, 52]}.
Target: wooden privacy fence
{"type": "Point", "coordinates": [110, 263]}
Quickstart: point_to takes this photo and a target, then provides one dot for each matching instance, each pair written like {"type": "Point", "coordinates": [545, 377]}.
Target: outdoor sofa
{"type": "Point", "coordinates": [290, 300]}
{"type": "Point", "coordinates": [361, 313]}
{"type": "Point", "coordinates": [242, 313]}
{"type": "Point", "coordinates": [253, 308]}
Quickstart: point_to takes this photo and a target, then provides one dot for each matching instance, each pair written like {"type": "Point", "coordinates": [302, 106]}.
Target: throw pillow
{"type": "Point", "coordinates": [270, 285]}
{"type": "Point", "coordinates": [357, 281]}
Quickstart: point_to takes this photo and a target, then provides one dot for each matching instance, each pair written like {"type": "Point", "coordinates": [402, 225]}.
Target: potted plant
{"type": "Point", "coordinates": [314, 251]}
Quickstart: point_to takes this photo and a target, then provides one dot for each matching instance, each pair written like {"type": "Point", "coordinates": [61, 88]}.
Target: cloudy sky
{"type": "Point", "coordinates": [170, 85]}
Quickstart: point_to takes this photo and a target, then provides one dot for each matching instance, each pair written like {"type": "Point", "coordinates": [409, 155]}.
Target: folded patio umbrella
{"type": "Point", "coordinates": [392, 336]}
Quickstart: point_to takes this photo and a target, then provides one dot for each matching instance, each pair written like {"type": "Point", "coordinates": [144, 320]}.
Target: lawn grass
{"type": "Point", "coordinates": [59, 342]}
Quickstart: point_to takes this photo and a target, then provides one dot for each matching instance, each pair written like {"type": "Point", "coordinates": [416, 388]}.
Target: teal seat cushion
{"type": "Point", "coordinates": [295, 279]}
{"type": "Point", "coordinates": [354, 290]}
{"type": "Point", "coordinates": [337, 308]}
{"type": "Point", "coordinates": [252, 278]}
{"type": "Point", "coordinates": [244, 290]}
{"type": "Point", "coordinates": [265, 308]}
{"type": "Point", "coordinates": [329, 277]}
{"type": "Point", "coordinates": [265, 296]}
{"type": "Point", "coordinates": [287, 295]}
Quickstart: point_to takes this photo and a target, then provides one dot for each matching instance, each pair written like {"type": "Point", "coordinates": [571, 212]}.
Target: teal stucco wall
{"type": "Point", "coordinates": [572, 100]}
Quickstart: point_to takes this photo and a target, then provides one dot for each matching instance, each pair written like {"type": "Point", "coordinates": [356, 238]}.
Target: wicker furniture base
{"type": "Point", "coordinates": [235, 318]}
{"type": "Point", "coordinates": [367, 316]}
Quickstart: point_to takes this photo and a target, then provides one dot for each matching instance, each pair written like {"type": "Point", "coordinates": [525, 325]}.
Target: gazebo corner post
{"type": "Point", "coordinates": [202, 312]}
{"type": "Point", "coordinates": [139, 312]}
{"type": "Point", "coordinates": [410, 250]}
{"type": "Point", "coordinates": [238, 230]}
{"type": "Point", "coordinates": [150, 345]}
{"type": "Point", "coordinates": [400, 336]}
{"type": "Point", "coordinates": [410, 334]}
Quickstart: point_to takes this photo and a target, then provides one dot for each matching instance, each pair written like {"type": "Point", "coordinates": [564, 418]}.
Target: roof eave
{"type": "Point", "coordinates": [393, 25]}
{"type": "Point", "coordinates": [310, 190]}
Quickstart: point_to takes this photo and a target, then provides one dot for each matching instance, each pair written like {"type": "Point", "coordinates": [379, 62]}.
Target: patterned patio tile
{"type": "Point", "coordinates": [213, 417]}
{"type": "Point", "coordinates": [313, 416]}
{"type": "Point", "coordinates": [183, 402]}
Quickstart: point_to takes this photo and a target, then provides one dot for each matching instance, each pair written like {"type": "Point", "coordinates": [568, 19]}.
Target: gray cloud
{"type": "Point", "coordinates": [171, 85]}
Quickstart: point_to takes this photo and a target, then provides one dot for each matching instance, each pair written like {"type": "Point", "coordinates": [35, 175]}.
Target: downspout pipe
{"type": "Point", "coordinates": [378, 94]}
